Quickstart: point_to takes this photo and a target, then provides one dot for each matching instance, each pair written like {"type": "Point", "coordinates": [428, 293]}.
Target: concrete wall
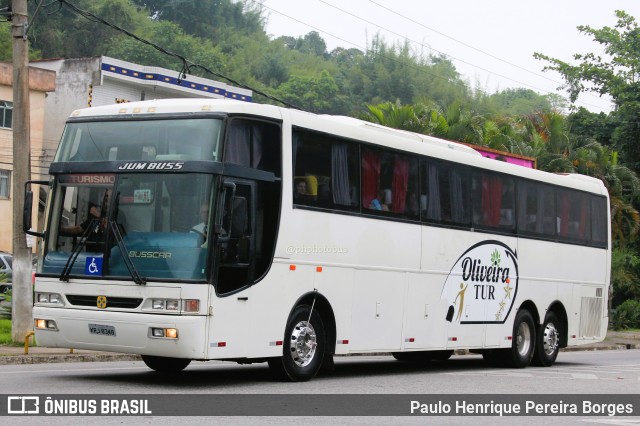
{"type": "Point", "coordinates": [41, 82]}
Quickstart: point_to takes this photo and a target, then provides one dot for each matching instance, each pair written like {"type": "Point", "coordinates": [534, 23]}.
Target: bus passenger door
{"type": "Point", "coordinates": [234, 249]}
{"type": "Point", "coordinates": [235, 236]}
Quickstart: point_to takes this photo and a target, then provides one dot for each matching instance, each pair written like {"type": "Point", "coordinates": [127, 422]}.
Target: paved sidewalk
{"type": "Point", "coordinates": [615, 340]}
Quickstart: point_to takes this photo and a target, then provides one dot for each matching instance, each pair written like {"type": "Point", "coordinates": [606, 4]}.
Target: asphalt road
{"type": "Point", "coordinates": [576, 373]}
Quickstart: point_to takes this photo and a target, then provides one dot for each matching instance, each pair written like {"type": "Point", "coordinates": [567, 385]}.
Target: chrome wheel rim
{"type": "Point", "coordinates": [551, 339]}
{"type": "Point", "coordinates": [303, 343]}
{"type": "Point", "coordinates": [523, 339]}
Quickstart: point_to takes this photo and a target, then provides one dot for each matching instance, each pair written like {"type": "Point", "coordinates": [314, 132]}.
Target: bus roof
{"type": "Point", "coordinates": [346, 127]}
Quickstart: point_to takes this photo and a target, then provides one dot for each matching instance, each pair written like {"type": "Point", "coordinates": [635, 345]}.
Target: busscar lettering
{"type": "Point", "coordinates": [152, 166]}
{"type": "Point", "coordinates": [150, 254]}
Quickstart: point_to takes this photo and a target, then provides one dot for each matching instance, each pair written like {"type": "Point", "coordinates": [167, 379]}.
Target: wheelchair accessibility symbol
{"type": "Point", "coordinates": [93, 266]}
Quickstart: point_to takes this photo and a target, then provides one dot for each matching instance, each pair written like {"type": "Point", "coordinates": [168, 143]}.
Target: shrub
{"type": "Point", "coordinates": [626, 315]}
{"type": "Point", "coordinates": [5, 305]}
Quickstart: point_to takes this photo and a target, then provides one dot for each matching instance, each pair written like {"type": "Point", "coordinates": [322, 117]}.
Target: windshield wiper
{"type": "Point", "coordinates": [77, 248]}
{"type": "Point", "coordinates": [137, 278]}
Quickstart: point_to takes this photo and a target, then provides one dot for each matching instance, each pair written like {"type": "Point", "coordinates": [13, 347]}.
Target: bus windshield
{"type": "Point", "coordinates": [144, 140]}
{"type": "Point", "coordinates": [156, 223]}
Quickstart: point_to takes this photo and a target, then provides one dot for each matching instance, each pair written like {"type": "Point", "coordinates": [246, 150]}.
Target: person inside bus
{"type": "Point", "coordinates": [300, 192]}
{"type": "Point", "coordinates": [378, 203]}
{"type": "Point", "coordinates": [76, 230]}
{"type": "Point", "coordinates": [301, 189]}
{"type": "Point", "coordinates": [201, 228]}
{"type": "Point", "coordinates": [93, 220]}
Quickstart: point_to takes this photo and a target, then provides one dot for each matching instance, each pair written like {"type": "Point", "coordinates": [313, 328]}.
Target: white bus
{"type": "Point", "coordinates": [201, 230]}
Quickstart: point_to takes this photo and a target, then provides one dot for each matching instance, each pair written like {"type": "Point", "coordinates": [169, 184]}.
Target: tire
{"type": "Point", "coordinates": [548, 342]}
{"type": "Point", "coordinates": [524, 338]}
{"type": "Point", "coordinates": [4, 289]}
{"type": "Point", "coordinates": [303, 349]}
{"type": "Point", "coordinates": [163, 364]}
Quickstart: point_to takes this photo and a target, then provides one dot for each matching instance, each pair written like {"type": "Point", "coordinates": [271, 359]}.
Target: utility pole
{"type": "Point", "coordinates": [22, 299]}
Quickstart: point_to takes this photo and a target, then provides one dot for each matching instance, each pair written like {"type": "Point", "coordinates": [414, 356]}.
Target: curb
{"type": "Point", "coordinates": [100, 357]}
{"type": "Point", "coordinates": [616, 346]}
{"type": "Point", "coordinates": [50, 359]}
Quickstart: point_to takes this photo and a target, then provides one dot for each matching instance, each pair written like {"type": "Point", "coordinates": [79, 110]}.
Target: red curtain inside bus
{"type": "Point", "coordinates": [400, 184]}
{"type": "Point", "coordinates": [370, 176]}
{"type": "Point", "coordinates": [491, 200]}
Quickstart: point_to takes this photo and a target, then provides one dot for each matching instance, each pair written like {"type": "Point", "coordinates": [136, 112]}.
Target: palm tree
{"type": "Point", "coordinates": [419, 118]}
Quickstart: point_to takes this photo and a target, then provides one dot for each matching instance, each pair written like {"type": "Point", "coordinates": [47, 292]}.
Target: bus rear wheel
{"type": "Point", "coordinates": [163, 364]}
{"type": "Point", "coordinates": [303, 347]}
{"type": "Point", "coordinates": [548, 342]}
{"type": "Point", "coordinates": [524, 339]}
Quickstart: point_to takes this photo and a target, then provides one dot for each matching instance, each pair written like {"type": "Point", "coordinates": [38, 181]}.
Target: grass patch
{"type": "Point", "coordinates": [5, 335]}
{"type": "Point", "coordinates": [5, 332]}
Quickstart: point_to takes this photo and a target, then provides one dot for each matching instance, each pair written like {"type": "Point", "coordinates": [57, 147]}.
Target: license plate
{"type": "Point", "coordinates": [103, 330]}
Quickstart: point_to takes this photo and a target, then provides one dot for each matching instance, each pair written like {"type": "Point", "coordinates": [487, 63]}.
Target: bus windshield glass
{"type": "Point", "coordinates": [143, 140]}
{"type": "Point", "coordinates": [107, 224]}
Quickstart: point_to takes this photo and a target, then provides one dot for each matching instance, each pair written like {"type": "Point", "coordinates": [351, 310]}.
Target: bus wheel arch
{"type": "Point", "coordinates": [163, 364]}
{"type": "Point", "coordinates": [325, 310]}
{"type": "Point", "coordinates": [561, 313]}
{"type": "Point", "coordinates": [308, 340]}
{"type": "Point", "coordinates": [551, 335]}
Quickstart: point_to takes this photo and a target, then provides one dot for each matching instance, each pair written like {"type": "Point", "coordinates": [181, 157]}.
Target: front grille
{"type": "Point", "coordinates": [112, 302]}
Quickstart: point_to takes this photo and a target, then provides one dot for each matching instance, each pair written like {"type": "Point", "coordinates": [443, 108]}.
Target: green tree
{"type": "Point", "coordinates": [519, 101]}
{"type": "Point", "coordinates": [173, 39]}
{"type": "Point", "coordinates": [311, 44]}
{"type": "Point", "coordinates": [6, 49]}
{"type": "Point", "coordinates": [615, 75]}
{"type": "Point", "coordinates": [318, 94]}
{"type": "Point", "coordinates": [625, 264]}
{"type": "Point", "coordinates": [208, 19]}
{"type": "Point", "coordinates": [67, 34]}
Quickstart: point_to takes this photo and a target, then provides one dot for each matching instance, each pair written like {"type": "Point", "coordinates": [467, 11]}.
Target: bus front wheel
{"type": "Point", "coordinates": [303, 347]}
{"type": "Point", "coordinates": [163, 364]}
{"type": "Point", "coordinates": [548, 342]}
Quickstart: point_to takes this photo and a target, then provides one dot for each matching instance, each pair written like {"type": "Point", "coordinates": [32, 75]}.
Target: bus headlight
{"type": "Point", "coordinates": [191, 305]}
{"type": "Point", "coordinates": [176, 306]}
{"type": "Point", "coordinates": [164, 333]}
{"type": "Point", "coordinates": [43, 324]}
{"type": "Point", "coordinates": [173, 305]}
{"type": "Point", "coordinates": [49, 299]}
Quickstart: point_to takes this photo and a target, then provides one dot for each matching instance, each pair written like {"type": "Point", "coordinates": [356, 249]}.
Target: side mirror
{"type": "Point", "coordinates": [28, 206]}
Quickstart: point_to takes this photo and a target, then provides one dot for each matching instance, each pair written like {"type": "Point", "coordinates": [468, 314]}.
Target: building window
{"type": "Point", "coordinates": [5, 183]}
{"type": "Point", "coordinates": [6, 114]}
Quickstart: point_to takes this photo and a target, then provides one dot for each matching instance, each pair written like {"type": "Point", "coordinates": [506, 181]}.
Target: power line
{"type": "Point", "coordinates": [187, 65]}
{"type": "Point", "coordinates": [430, 47]}
{"type": "Point", "coordinates": [461, 42]}
{"type": "Point", "coordinates": [471, 47]}
{"type": "Point", "coordinates": [364, 48]}
{"type": "Point", "coordinates": [385, 29]}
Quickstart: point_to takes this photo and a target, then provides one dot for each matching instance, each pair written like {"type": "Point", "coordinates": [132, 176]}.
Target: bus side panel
{"type": "Point", "coordinates": [273, 299]}
{"type": "Point", "coordinates": [336, 284]}
{"type": "Point", "coordinates": [576, 276]}
{"type": "Point", "coordinates": [425, 313]}
{"type": "Point", "coordinates": [229, 325]}
{"type": "Point", "coordinates": [377, 310]}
